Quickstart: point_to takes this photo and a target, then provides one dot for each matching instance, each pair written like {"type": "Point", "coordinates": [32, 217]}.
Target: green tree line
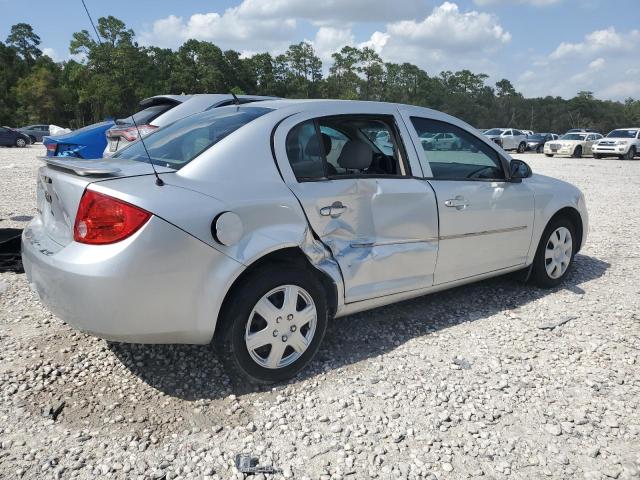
{"type": "Point", "coordinates": [115, 73]}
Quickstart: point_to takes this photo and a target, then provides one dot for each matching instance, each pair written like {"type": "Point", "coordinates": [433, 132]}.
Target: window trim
{"type": "Point", "coordinates": [504, 162]}
{"type": "Point", "coordinates": [402, 161]}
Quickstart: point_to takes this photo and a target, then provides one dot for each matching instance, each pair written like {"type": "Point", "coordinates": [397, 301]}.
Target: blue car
{"type": "Point", "coordinates": [87, 142]}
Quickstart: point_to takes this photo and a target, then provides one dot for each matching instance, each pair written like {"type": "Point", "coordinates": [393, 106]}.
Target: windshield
{"type": "Point", "coordinates": [494, 131]}
{"type": "Point", "coordinates": [623, 134]}
{"type": "Point", "coordinates": [573, 136]}
{"type": "Point", "coordinates": [538, 136]}
{"type": "Point", "coordinates": [180, 142]}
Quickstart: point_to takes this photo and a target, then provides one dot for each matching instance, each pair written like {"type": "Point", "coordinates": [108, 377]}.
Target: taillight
{"type": "Point", "coordinates": [102, 219]}
{"type": "Point", "coordinates": [52, 147]}
{"type": "Point", "coordinates": [131, 133]}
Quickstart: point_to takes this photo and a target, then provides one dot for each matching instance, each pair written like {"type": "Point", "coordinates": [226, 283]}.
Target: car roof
{"type": "Point", "coordinates": [213, 97]}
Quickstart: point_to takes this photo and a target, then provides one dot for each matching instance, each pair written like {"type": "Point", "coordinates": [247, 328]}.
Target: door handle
{"type": "Point", "coordinates": [334, 210]}
{"type": "Point", "coordinates": [459, 203]}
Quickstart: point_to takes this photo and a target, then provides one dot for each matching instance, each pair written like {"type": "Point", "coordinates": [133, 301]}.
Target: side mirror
{"type": "Point", "coordinates": [519, 170]}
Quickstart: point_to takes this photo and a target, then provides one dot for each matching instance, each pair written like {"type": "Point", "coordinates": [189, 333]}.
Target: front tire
{"type": "Point", "coordinates": [555, 253]}
{"type": "Point", "coordinates": [577, 152]}
{"type": "Point", "coordinates": [522, 147]}
{"type": "Point", "coordinates": [21, 142]}
{"type": "Point", "coordinates": [540, 149]}
{"type": "Point", "coordinates": [273, 325]}
{"type": "Point", "coordinates": [548, 154]}
{"type": "Point", "coordinates": [630, 154]}
{"type": "Point", "coordinates": [597, 156]}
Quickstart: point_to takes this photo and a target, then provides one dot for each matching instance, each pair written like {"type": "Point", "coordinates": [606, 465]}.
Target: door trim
{"type": "Point", "coordinates": [485, 232]}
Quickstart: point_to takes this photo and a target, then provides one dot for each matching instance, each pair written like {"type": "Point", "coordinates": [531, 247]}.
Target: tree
{"type": "Point", "coordinates": [25, 41]}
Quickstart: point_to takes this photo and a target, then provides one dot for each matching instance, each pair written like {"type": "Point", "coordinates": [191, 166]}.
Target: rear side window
{"type": "Point", "coordinates": [346, 146]}
{"type": "Point", "coordinates": [179, 143]}
{"type": "Point", "coordinates": [456, 155]}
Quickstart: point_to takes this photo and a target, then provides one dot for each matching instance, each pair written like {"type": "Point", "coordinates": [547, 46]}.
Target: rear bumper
{"type": "Point", "coordinates": [159, 286]}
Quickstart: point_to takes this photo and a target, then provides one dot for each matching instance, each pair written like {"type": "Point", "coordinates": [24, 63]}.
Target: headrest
{"type": "Point", "coordinates": [355, 155]}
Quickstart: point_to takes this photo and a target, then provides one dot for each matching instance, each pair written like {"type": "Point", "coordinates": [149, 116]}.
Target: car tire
{"type": "Point", "coordinates": [555, 253]}
{"type": "Point", "coordinates": [21, 142]}
{"type": "Point", "coordinates": [577, 152]}
{"type": "Point", "coordinates": [548, 154]}
{"type": "Point", "coordinates": [597, 156]}
{"type": "Point", "coordinates": [630, 154]}
{"type": "Point", "coordinates": [522, 147]}
{"type": "Point", "coordinates": [296, 340]}
{"type": "Point", "coordinates": [539, 149]}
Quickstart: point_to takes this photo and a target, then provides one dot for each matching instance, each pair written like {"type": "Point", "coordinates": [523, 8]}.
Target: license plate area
{"type": "Point", "coordinates": [113, 144]}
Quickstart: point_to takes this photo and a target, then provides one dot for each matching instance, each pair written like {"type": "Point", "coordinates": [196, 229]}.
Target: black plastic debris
{"type": "Point", "coordinates": [53, 411]}
{"type": "Point", "coordinates": [245, 463]}
{"type": "Point", "coordinates": [10, 259]}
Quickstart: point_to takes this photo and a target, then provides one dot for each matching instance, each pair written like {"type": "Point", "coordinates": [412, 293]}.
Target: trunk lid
{"type": "Point", "coordinates": [61, 184]}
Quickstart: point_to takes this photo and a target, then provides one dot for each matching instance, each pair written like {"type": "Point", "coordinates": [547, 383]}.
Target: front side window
{"type": "Point", "coordinates": [179, 143]}
{"type": "Point", "coordinates": [465, 158]}
{"type": "Point", "coordinates": [345, 146]}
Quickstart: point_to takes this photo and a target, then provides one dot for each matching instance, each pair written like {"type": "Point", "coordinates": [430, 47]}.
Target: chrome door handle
{"type": "Point", "coordinates": [459, 203]}
{"type": "Point", "coordinates": [334, 210]}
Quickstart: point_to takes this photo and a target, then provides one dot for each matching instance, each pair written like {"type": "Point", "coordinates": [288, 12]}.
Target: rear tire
{"type": "Point", "coordinates": [577, 152]}
{"type": "Point", "coordinates": [286, 338]}
{"type": "Point", "coordinates": [555, 254]}
{"type": "Point", "coordinates": [548, 154]}
{"type": "Point", "coordinates": [21, 142]}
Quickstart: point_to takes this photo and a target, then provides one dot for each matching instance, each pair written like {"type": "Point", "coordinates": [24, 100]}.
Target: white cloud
{"type": "Point", "coordinates": [334, 10]}
{"type": "Point", "coordinates": [535, 3]}
{"type": "Point", "coordinates": [600, 41]}
{"type": "Point", "coordinates": [600, 63]}
{"type": "Point", "coordinates": [51, 53]}
{"type": "Point", "coordinates": [329, 40]}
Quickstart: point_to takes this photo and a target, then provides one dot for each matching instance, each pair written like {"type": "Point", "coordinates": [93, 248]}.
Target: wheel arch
{"type": "Point", "coordinates": [283, 256]}
{"type": "Point", "coordinates": [573, 215]}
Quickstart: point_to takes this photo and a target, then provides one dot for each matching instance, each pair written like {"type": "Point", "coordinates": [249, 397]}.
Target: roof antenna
{"type": "Point", "coordinates": [236, 101]}
{"type": "Point", "coordinates": [159, 181]}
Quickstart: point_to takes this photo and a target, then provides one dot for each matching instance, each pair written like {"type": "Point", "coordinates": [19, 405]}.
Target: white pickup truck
{"type": "Point", "coordinates": [623, 143]}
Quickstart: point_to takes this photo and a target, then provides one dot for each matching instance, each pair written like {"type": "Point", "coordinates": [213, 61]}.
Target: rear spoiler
{"type": "Point", "coordinates": [83, 168]}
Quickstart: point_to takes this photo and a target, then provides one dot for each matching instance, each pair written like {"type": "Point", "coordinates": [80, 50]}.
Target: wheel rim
{"type": "Point", "coordinates": [21, 142]}
{"type": "Point", "coordinates": [557, 256]}
{"type": "Point", "coordinates": [281, 327]}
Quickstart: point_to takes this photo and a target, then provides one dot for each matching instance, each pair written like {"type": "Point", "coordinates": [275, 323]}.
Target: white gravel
{"type": "Point", "coordinates": [460, 384]}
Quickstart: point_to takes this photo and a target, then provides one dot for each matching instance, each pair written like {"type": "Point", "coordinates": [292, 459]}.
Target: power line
{"type": "Point", "coordinates": [91, 20]}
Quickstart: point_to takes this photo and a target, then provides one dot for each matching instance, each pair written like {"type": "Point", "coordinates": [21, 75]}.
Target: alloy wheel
{"type": "Point", "coordinates": [281, 326]}
{"type": "Point", "coordinates": [557, 255]}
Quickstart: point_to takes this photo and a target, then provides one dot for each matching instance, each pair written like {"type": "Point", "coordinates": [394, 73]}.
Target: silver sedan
{"type": "Point", "coordinates": [266, 220]}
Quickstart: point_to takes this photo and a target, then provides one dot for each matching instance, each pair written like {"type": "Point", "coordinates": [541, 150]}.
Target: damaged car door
{"type": "Point", "coordinates": [361, 199]}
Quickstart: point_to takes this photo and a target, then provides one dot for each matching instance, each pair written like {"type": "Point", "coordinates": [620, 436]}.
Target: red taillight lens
{"type": "Point", "coordinates": [102, 219]}
{"type": "Point", "coordinates": [51, 147]}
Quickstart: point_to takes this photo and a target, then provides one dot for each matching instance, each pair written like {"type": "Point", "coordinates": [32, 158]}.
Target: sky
{"type": "Point", "coordinates": [545, 47]}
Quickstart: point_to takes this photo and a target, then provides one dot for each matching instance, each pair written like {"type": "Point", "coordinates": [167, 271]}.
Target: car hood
{"type": "Point", "coordinates": [569, 142]}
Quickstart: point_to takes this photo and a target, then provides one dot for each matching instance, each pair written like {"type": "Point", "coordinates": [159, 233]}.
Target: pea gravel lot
{"type": "Point", "coordinates": [470, 383]}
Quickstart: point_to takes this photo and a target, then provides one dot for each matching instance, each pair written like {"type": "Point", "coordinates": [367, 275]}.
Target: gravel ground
{"type": "Point", "coordinates": [461, 384]}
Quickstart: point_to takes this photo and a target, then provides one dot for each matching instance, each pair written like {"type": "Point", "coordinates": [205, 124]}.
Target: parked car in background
{"type": "Point", "coordinates": [440, 141]}
{"type": "Point", "coordinates": [575, 145]}
{"type": "Point", "coordinates": [508, 138]}
{"type": "Point", "coordinates": [528, 133]}
{"type": "Point", "coordinates": [162, 110]}
{"type": "Point", "coordinates": [88, 142]}
{"type": "Point", "coordinates": [536, 141]}
{"type": "Point", "coordinates": [623, 143]}
{"type": "Point", "coordinates": [35, 132]}
{"type": "Point", "coordinates": [582, 130]}
{"type": "Point", "coordinates": [10, 137]}
{"type": "Point", "coordinates": [263, 230]}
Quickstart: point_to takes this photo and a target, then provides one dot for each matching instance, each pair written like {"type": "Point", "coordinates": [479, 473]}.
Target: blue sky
{"type": "Point", "coordinates": [545, 47]}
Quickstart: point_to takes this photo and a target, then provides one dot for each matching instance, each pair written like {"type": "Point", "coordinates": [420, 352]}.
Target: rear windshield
{"type": "Point", "coordinates": [177, 144]}
{"type": "Point", "coordinates": [145, 116]}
